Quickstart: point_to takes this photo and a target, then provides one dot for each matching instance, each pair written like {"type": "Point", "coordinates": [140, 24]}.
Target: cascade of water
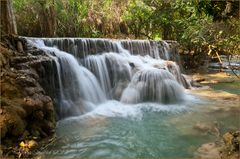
{"type": "Point", "coordinates": [78, 87]}
{"type": "Point", "coordinates": [165, 50]}
{"type": "Point", "coordinates": [111, 69]}
{"type": "Point", "coordinates": [120, 67]}
{"type": "Point", "coordinates": [81, 47]}
{"type": "Point", "coordinates": [130, 71]}
{"type": "Point", "coordinates": [175, 70]}
{"type": "Point", "coordinates": [142, 47]}
{"type": "Point", "coordinates": [153, 85]}
{"type": "Point", "coordinates": [97, 64]}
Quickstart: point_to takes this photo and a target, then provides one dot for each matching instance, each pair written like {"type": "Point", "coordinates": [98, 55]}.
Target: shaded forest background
{"type": "Point", "coordinates": [199, 26]}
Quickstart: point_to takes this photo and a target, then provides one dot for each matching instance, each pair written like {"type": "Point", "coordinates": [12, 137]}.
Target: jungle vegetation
{"type": "Point", "coordinates": [199, 26]}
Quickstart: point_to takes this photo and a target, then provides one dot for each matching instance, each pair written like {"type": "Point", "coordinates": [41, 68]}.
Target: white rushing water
{"type": "Point", "coordinates": [126, 99]}
{"type": "Point", "coordinates": [128, 71]}
{"type": "Point", "coordinates": [78, 88]}
{"type": "Point", "coordinates": [82, 47]}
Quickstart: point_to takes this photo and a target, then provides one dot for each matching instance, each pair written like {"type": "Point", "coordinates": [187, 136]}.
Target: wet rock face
{"type": "Point", "coordinates": [232, 141]}
{"type": "Point", "coordinates": [26, 109]}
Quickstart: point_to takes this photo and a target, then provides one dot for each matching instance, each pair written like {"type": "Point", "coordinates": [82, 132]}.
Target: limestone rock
{"type": "Point", "coordinates": [227, 138]}
{"type": "Point", "coordinates": [11, 123]}
{"type": "Point", "coordinates": [26, 109]}
{"type": "Point", "coordinates": [4, 56]}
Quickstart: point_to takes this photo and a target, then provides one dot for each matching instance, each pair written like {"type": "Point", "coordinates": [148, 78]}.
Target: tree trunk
{"type": "Point", "coordinates": [48, 20]}
{"type": "Point", "coordinates": [51, 19]}
{"type": "Point", "coordinates": [166, 33]}
{"type": "Point", "coordinates": [8, 22]}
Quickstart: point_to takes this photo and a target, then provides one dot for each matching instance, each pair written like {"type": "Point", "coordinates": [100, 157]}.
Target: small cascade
{"type": "Point", "coordinates": [165, 50]}
{"type": "Point", "coordinates": [97, 65]}
{"type": "Point", "coordinates": [153, 85]}
{"type": "Point", "coordinates": [97, 70]}
{"type": "Point", "coordinates": [175, 70]}
{"type": "Point", "coordinates": [144, 47]}
{"type": "Point", "coordinates": [155, 74]}
{"type": "Point", "coordinates": [111, 69]}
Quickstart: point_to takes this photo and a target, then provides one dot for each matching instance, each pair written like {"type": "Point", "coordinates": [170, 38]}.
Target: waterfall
{"type": "Point", "coordinates": [92, 71]}
{"type": "Point", "coordinates": [79, 89]}
{"type": "Point", "coordinates": [82, 47]}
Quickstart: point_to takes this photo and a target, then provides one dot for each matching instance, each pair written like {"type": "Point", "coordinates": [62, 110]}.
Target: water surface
{"type": "Point", "coordinates": [143, 130]}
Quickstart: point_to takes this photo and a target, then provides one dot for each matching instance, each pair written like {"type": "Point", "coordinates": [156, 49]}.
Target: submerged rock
{"type": "Point", "coordinates": [220, 77]}
{"type": "Point", "coordinates": [208, 151]}
{"type": "Point", "coordinates": [202, 127]}
{"type": "Point", "coordinates": [218, 94]}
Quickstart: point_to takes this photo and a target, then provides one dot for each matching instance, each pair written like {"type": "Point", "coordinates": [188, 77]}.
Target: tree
{"type": "Point", "coordinates": [36, 17]}
{"type": "Point", "coordinates": [8, 23]}
{"type": "Point", "coordinates": [48, 20]}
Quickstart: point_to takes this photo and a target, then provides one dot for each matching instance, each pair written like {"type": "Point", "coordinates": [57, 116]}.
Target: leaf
{"type": "Point", "coordinates": [22, 144]}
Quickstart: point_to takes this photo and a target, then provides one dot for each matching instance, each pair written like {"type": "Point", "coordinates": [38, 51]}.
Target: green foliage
{"type": "Point", "coordinates": [138, 18]}
{"type": "Point", "coordinates": [219, 10]}
{"type": "Point", "coordinates": [196, 25]}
